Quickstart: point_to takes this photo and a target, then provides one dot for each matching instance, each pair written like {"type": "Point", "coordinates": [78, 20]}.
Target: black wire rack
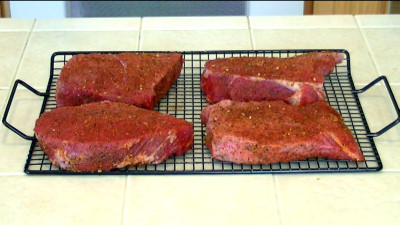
{"type": "Point", "coordinates": [185, 100]}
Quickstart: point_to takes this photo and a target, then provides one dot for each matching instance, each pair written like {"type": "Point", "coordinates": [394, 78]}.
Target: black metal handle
{"type": "Point", "coordinates": [11, 127]}
{"type": "Point", "coordinates": [396, 106]}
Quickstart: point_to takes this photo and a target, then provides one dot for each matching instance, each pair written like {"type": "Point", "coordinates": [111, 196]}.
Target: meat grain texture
{"type": "Point", "coordinates": [139, 79]}
{"type": "Point", "coordinates": [297, 80]}
{"type": "Point", "coordinates": [106, 135]}
{"type": "Point", "coordinates": [270, 132]}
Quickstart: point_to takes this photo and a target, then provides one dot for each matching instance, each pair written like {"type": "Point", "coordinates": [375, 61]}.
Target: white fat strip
{"type": "Point", "coordinates": [123, 64]}
{"type": "Point", "coordinates": [292, 85]}
{"type": "Point", "coordinates": [205, 74]}
{"type": "Point", "coordinates": [171, 138]}
{"type": "Point", "coordinates": [60, 158]}
{"type": "Point", "coordinates": [144, 158]}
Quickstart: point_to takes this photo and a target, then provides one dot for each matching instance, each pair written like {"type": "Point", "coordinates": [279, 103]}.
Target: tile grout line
{"type": "Point", "coordinates": [250, 32]}
{"type": "Point", "coordinates": [18, 66]}
{"type": "Point", "coordinates": [23, 52]}
{"type": "Point", "coordinates": [140, 34]}
{"type": "Point", "coordinates": [123, 214]}
{"type": "Point", "coordinates": [4, 174]}
{"type": "Point", "coordinates": [278, 206]}
{"type": "Point", "coordinates": [367, 44]}
{"type": "Point", "coordinates": [303, 28]}
{"type": "Point", "coordinates": [84, 30]}
{"type": "Point", "coordinates": [198, 29]}
{"type": "Point", "coordinates": [371, 55]}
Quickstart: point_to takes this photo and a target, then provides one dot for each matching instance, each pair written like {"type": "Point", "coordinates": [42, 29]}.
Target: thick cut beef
{"type": "Point", "coordinates": [270, 132]}
{"type": "Point", "coordinates": [140, 79]}
{"type": "Point", "coordinates": [107, 135]}
{"type": "Point", "coordinates": [297, 80]}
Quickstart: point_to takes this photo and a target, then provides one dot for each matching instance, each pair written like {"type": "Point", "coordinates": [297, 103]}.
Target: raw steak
{"type": "Point", "coordinates": [107, 135]}
{"type": "Point", "coordinates": [270, 132]}
{"type": "Point", "coordinates": [297, 80]}
{"type": "Point", "coordinates": [140, 79]}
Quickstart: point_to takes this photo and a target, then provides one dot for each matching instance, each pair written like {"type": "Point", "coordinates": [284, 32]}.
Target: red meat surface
{"type": "Point", "coordinates": [297, 80]}
{"type": "Point", "coordinates": [270, 132]}
{"type": "Point", "coordinates": [108, 135]}
{"type": "Point", "coordinates": [139, 79]}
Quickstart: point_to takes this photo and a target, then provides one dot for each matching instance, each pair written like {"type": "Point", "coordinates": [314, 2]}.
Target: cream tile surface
{"type": "Point", "coordinates": [301, 22]}
{"type": "Point", "coordinates": [12, 46]}
{"type": "Point", "coordinates": [195, 23]}
{"type": "Point", "coordinates": [35, 64]}
{"type": "Point", "coordinates": [179, 40]}
{"type": "Point", "coordinates": [200, 200]}
{"type": "Point", "coordinates": [350, 198]}
{"type": "Point", "coordinates": [7, 24]}
{"type": "Point", "coordinates": [384, 45]}
{"type": "Point", "coordinates": [24, 111]}
{"type": "Point", "coordinates": [378, 20]}
{"type": "Point", "coordinates": [61, 199]}
{"type": "Point", "coordinates": [389, 154]}
{"type": "Point", "coordinates": [3, 98]}
{"type": "Point", "coordinates": [362, 67]}
{"type": "Point", "coordinates": [379, 112]}
{"type": "Point", "coordinates": [396, 91]}
{"type": "Point", "coordinates": [340, 199]}
{"type": "Point", "coordinates": [88, 24]}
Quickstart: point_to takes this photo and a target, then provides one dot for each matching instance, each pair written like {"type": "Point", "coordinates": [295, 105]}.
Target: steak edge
{"type": "Point", "coordinates": [296, 80]}
{"type": "Point", "coordinates": [139, 79]}
{"type": "Point", "coordinates": [106, 135]}
{"type": "Point", "coordinates": [271, 132]}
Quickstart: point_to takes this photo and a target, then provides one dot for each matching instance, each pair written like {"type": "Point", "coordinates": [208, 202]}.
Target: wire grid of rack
{"type": "Point", "coordinates": [185, 100]}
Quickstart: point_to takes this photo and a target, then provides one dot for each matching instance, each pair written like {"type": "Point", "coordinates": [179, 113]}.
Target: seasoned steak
{"type": "Point", "coordinates": [139, 79]}
{"type": "Point", "coordinates": [108, 135]}
{"type": "Point", "coordinates": [297, 80]}
{"type": "Point", "coordinates": [270, 132]}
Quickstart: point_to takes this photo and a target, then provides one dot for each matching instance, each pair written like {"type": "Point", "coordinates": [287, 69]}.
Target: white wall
{"type": "Point", "coordinates": [275, 8]}
{"type": "Point", "coordinates": [37, 9]}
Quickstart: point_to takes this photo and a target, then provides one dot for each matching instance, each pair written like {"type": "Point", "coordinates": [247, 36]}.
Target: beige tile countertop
{"type": "Point", "coordinates": [277, 199]}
